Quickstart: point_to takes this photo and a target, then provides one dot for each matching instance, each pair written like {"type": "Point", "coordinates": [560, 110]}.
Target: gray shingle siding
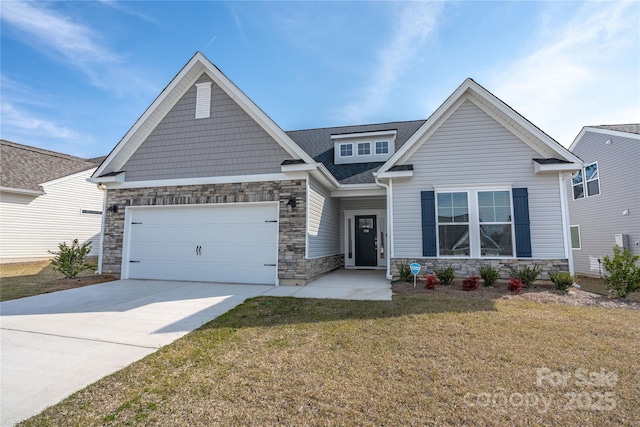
{"type": "Point", "coordinates": [227, 143]}
{"type": "Point", "coordinates": [600, 217]}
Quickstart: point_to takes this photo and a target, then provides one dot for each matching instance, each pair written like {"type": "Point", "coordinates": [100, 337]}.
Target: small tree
{"type": "Point", "coordinates": [71, 260]}
{"type": "Point", "coordinates": [623, 272]}
{"type": "Point", "coordinates": [489, 275]}
{"type": "Point", "coordinates": [445, 275]}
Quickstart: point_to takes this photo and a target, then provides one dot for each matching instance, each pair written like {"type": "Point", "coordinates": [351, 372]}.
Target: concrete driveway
{"type": "Point", "coordinates": [55, 344]}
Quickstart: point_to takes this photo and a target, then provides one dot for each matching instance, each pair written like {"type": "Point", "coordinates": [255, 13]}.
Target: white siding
{"type": "Point", "coordinates": [600, 217]}
{"type": "Point", "coordinates": [323, 231]}
{"type": "Point", "coordinates": [471, 148]}
{"type": "Point", "coordinates": [30, 225]}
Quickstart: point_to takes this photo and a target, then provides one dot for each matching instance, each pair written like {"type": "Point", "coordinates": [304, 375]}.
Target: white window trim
{"type": "Point", "coordinates": [364, 144]}
{"type": "Point", "coordinates": [585, 190]}
{"type": "Point", "coordinates": [345, 145]}
{"type": "Point", "coordinates": [474, 219]}
{"type": "Point", "coordinates": [579, 248]}
{"type": "Point", "coordinates": [386, 147]}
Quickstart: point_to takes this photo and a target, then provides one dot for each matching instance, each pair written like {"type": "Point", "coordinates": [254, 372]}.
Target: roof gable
{"type": "Point", "coordinates": [471, 91]}
{"type": "Point", "coordinates": [631, 131]}
{"type": "Point", "coordinates": [168, 98]}
{"type": "Point", "coordinates": [26, 168]}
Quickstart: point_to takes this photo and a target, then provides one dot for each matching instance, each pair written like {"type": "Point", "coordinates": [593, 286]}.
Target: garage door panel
{"type": "Point", "coordinates": [221, 243]}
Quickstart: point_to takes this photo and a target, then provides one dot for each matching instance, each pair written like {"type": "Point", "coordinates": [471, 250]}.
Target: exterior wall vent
{"type": "Point", "coordinates": [203, 100]}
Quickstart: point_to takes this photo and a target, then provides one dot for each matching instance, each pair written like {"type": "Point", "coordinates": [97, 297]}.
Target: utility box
{"type": "Point", "coordinates": [622, 241]}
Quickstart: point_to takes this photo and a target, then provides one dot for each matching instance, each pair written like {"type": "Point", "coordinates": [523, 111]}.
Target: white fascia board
{"type": "Point", "coordinates": [365, 134]}
{"type": "Point", "coordinates": [300, 167]}
{"type": "Point", "coordinates": [556, 167]}
{"type": "Point", "coordinates": [359, 190]}
{"type": "Point", "coordinates": [21, 191]}
{"type": "Point", "coordinates": [394, 174]}
{"type": "Point", "coordinates": [602, 131]}
{"type": "Point", "coordinates": [172, 94]}
{"type": "Point", "coordinates": [105, 179]}
{"type": "Point", "coordinates": [64, 178]}
{"type": "Point", "coordinates": [203, 180]}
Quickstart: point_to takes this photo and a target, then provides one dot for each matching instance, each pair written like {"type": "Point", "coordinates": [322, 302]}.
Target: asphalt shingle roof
{"type": "Point", "coordinates": [628, 128]}
{"type": "Point", "coordinates": [319, 145]}
{"type": "Point", "coordinates": [24, 167]}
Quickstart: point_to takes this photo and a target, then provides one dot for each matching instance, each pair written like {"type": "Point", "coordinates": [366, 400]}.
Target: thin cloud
{"type": "Point", "coordinates": [416, 22]}
{"type": "Point", "coordinates": [18, 121]}
{"type": "Point", "coordinates": [580, 71]}
{"type": "Point", "coordinates": [119, 6]}
{"type": "Point", "coordinates": [61, 38]}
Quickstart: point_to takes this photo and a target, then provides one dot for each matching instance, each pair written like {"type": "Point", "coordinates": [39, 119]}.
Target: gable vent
{"type": "Point", "coordinates": [203, 100]}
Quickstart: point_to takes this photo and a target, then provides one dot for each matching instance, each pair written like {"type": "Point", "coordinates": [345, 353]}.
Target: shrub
{"type": "Point", "coordinates": [489, 275]}
{"type": "Point", "coordinates": [526, 274]}
{"type": "Point", "coordinates": [515, 285]}
{"type": "Point", "coordinates": [404, 272]}
{"type": "Point", "coordinates": [71, 260]}
{"type": "Point", "coordinates": [623, 272]}
{"type": "Point", "coordinates": [562, 280]}
{"type": "Point", "coordinates": [470, 283]}
{"type": "Point", "coordinates": [432, 281]}
{"type": "Point", "coordinates": [445, 275]}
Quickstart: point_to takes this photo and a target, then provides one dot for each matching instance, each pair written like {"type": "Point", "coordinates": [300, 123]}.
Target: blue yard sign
{"type": "Point", "coordinates": [415, 269]}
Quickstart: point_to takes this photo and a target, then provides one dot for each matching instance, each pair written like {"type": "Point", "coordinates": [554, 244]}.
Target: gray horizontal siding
{"type": "Point", "coordinates": [323, 231]}
{"type": "Point", "coordinates": [472, 148]}
{"type": "Point", "coordinates": [229, 142]}
{"type": "Point", "coordinates": [600, 217]}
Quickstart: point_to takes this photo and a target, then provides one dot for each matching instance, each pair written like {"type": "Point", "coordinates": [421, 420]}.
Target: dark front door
{"type": "Point", "coordinates": [366, 251]}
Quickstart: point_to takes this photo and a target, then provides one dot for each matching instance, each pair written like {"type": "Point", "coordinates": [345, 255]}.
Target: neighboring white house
{"type": "Point", "coordinates": [45, 200]}
{"type": "Point", "coordinates": [605, 205]}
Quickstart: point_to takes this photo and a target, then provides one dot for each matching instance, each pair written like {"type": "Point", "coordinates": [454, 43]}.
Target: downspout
{"type": "Point", "coordinates": [566, 226]}
{"type": "Point", "coordinates": [390, 245]}
{"type": "Point", "coordinates": [104, 215]}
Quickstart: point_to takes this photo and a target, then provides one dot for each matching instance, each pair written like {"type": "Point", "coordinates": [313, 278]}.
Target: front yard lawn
{"type": "Point", "coordinates": [431, 358]}
{"type": "Point", "coordinates": [27, 279]}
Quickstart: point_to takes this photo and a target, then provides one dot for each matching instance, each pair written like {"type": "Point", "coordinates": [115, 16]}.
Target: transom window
{"type": "Point", "coordinates": [475, 223]}
{"type": "Point", "coordinates": [589, 178]}
{"type": "Point", "coordinates": [346, 150]}
{"type": "Point", "coordinates": [364, 148]}
{"type": "Point", "coordinates": [382, 147]}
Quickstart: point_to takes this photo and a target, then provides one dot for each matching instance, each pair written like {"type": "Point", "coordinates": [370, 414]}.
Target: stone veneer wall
{"type": "Point", "coordinates": [293, 268]}
{"type": "Point", "coordinates": [471, 267]}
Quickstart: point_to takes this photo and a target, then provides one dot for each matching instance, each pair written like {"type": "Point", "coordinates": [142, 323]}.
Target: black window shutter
{"type": "Point", "coordinates": [428, 204]}
{"type": "Point", "coordinates": [521, 222]}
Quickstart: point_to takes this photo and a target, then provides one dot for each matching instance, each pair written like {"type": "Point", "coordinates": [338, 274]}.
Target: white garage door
{"type": "Point", "coordinates": [232, 243]}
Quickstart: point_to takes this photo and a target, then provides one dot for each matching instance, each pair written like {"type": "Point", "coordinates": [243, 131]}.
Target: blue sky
{"type": "Point", "coordinates": [77, 75]}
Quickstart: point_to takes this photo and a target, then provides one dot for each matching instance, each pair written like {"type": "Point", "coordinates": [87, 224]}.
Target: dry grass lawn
{"type": "Point", "coordinates": [422, 359]}
{"type": "Point", "coordinates": [19, 280]}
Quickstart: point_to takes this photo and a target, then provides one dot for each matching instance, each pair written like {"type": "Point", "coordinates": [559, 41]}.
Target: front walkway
{"type": "Point", "coordinates": [341, 284]}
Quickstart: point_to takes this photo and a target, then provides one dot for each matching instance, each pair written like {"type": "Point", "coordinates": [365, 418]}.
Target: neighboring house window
{"type": "Point", "coordinates": [453, 224]}
{"type": "Point", "coordinates": [589, 178]}
{"type": "Point", "coordinates": [575, 237]}
{"type": "Point", "coordinates": [592, 178]}
{"type": "Point", "coordinates": [382, 147]}
{"type": "Point", "coordinates": [364, 149]}
{"type": "Point", "coordinates": [346, 150]}
{"type": "Point", "coordinates": [477, 223]}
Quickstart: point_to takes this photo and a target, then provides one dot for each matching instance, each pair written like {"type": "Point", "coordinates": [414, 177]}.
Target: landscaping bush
{"type": "Point", "coordinates": [431, 281]}
{"type": "Point", "coordinates": [526, 274]}
{"type": "Point", "coordinates": [489, 275]}
{"type": "Point", "coordinates": [623, 272]}
{"type": "Point", "coordinates": [404, 272]}
{"type": "Point", "coordinates": [562, 280]}
{"type": "Point", "coordinates": [445, 275]}
{"type": "Point", "coordinates": [71, 260]}
{"type": "Point", "coordinates": [515, 285]}
{"type": "Point", "coordinates": [470, 283]}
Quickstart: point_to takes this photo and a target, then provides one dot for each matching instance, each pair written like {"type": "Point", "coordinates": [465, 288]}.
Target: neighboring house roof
{"type": "Point", "coordinates": [319, 145]}
{"type": "Point", "coordinates": [631, 130]}
{"type": "Point", "coordinates": [628, 128]}
{"type": "Point", "coordinates": [25, 168]}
